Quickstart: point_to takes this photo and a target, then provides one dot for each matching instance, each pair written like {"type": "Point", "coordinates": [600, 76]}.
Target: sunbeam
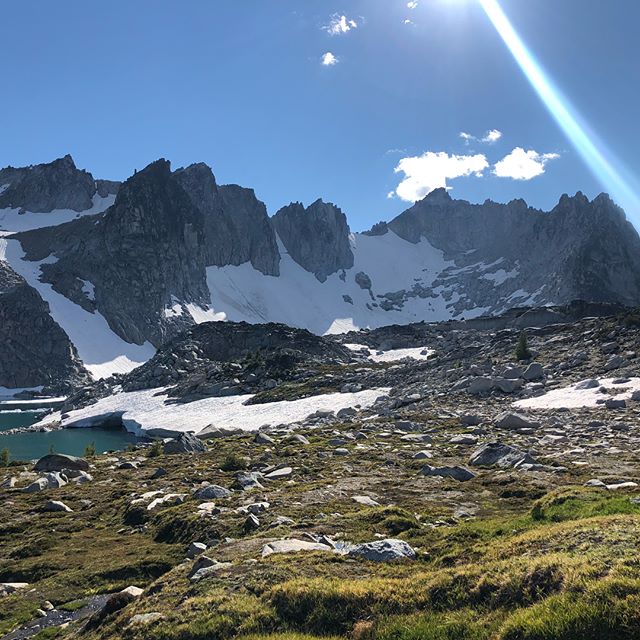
{"type": "Point", "coordinates": [585, 141]}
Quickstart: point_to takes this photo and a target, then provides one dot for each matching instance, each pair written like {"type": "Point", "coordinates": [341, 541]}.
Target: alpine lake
{"type": "Point", "coordinates": [31, 445]}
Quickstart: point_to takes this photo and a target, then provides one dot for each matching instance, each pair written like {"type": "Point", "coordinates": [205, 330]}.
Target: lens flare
{"type": "Point", "coordinates": [585, 141]}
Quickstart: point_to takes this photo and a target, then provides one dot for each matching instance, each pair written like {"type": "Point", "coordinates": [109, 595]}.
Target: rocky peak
{"type": "Point", "coordinates": [236, 223]}
{"type": "Point", "coordinates": [41, 188]}
{"type": "Point", "coordinates": [317, 237]}
{"type": "Point", "coordinates": [438, 197]}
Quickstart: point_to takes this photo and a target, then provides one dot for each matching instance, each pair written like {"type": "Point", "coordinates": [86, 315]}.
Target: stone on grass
{"type": "Point", "coordinates": [365, 501]}
{"type": "Point", "coordinates": [501, 455]}
{"type": "Point", "coordinates": [457, 473]}
{"type": "Point", "coordinates": [144, 619]}
{"type": "Point", "coordinates": [293, 546]}
{"type": "Point", "coordinates": [37, 485]}
{"type": "Point", "coordinates": [263, 438]}
{"type": "Point", "coordinates": [212, 492]}
{"type": "Point", "coordinates": [279, 474]}
{"type": "Point", "coordinates": [59, 462]}
{"type": "Point", "coordinates": [383, 550]}
{"type": "Point", "coordinates": [248, 480]}
{"type": "Point", "coordinates": [184, 443]}
{"type": "Point", "coordinates": [56, 505]}
{"type": "Point", "coordinates": [196, 549]}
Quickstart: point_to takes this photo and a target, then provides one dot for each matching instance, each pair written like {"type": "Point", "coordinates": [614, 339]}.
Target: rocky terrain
{"type": "Point", "coordinates": [121, 269]}
{"type": "Point", "coordinates": [482, 495]}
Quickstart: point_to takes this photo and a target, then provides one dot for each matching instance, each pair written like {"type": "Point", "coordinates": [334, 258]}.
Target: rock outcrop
{"type": "Point", "coordinates": [143, 254]}
{"type": "Point", "coordinates": [41, 188]}
{"type": "Point", "coordinates": [236, 223]}
{"type": "Point", "coordinates": [34, 350]}
{"type": "Point", "coordinates": [317, 237]}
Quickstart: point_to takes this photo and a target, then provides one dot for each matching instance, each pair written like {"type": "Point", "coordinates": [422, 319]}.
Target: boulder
{"type": "Point", "coordinates": [479, 386]}
{"type": "Point", "coordinates": [457, 473]}
{"type": "Point", "coordinates": [196, 549]}
{"type": "Point", "coordinates": [591, 383]}
{"type": "Point", "coordinates": [293, 546]}
{"type": "Point", "coordinates": [184, 443]}
{"type": "Point", "coordinates": [56, 505]}
{"type": "Point", "coordinates": [508, 420]}
{"type": "Point", "coordinates": [533, 372]}
{"type": "Point", "coordinates": [248, 480]}
{"type": "Point", "coordinates": [501, 455]}
{"type": "Point", "coordinates": [60, 462]}
{"type": "Point", "coordinates": [383, 550]}
{"type": "Point", "coordinates": [211, 492]}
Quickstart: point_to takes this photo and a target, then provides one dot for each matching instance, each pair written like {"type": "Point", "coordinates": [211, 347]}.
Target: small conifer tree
{"type": "Point", "coordinates": [522, 350]}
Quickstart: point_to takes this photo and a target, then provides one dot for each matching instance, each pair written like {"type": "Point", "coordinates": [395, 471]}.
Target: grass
{"type": "Point", "coordinates": [536, 563]}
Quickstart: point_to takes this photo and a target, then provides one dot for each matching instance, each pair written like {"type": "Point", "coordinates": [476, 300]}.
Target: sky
{"type": "Point", "coordinates": [368, 104]}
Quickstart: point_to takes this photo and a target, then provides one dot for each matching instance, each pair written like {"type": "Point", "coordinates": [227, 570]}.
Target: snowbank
{"type": "Point", "coordinates": [573, 398]}
{"type": "Point", "coordinates": [146, 412]}
{"type": "Point", "coordinates": [393, 355]}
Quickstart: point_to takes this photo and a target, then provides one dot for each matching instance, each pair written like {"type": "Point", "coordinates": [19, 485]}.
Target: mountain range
{"type": "Point", "coordinates": [96, 275]}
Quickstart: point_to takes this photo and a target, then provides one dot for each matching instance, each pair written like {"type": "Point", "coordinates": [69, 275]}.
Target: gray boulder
{"type": "Point", "coordinates": [533, 372]}
{"type": "Point", "coordinates": [508, 420]}
{"type": "Point", "coordinates": [457, 473]}
{"type": "Point", "coordinates": [184, 443]}
{"type": "Point", "coordinates": [60, 462]}
{"type": "Point", "coordinates": [383, 551]}
{"type": "Point", "coordinates": [501, 455]}
{"type": "Point", "coordinates": [212, 492]}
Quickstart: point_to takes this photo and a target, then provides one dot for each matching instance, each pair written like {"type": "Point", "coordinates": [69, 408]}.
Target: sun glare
{"type": "Point", "coordinates": [593, 151]}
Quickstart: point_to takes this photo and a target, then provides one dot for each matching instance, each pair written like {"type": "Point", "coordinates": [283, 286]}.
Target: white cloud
{"type": "Point", "coordinates": [328, 59]}
{"type": "Point", "coordinates": [431, 171]}
{"type": "Point", "coordinates": [493, 135]}
{"type": "Point", "coordinates": [523, 165]}
{"type": "Point", "coordinates": [412, 5]}
{"type": "Point", "coordinates": [340, 24]}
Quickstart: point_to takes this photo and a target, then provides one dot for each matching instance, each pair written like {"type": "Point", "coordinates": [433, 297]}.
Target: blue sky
{"type": "Point", "coordinates": [241, 86]}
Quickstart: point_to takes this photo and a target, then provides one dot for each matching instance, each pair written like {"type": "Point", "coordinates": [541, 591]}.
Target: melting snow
{"type": "Point", "coordinates": [393, 355]}
{"type": "Point", "coordinates": [13, 221]}
{"type": "Point", "coordinates": [572, 398]}
{"type": "Point", "coordinates": [89, 290]}
{"type": "Point", "coordinates": [299, 299]}
{"type": "Point", "coordinates": [500, 276]}
{"type": "Point", "coordinates": [146, 411]}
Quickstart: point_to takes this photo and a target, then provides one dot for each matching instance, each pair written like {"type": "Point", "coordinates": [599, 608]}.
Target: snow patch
{"type": "Point", "coordinates": [500, 276]}
{"type": "Point", "coordinates": [573, 398]}
{"type": "Point", "coordinates": [89, 290]}
{"type": "Point", "coordinates": [6, 392]}
{"type": "Point", "coordinates": [299, 299]}
{"type": "Point", "coordinates": [146, 412]}
{"type": "Point", "coordinates": [392, 355]}
{"type": "Point", "coordinates": [11, 220]}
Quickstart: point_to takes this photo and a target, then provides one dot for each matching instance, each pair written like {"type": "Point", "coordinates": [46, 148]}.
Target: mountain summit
{"type": "Point", "coordinates": [121, 268]}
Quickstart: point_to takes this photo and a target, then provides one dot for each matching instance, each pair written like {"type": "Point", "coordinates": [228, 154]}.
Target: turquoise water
{"type": "Point", "coordinates": [14, 419]}
{"type": "Point", "coordinates": [29, 446]}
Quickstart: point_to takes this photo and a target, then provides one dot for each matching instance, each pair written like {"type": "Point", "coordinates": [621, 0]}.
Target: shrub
{"type": "Point", "coordinates": [233, 462]}
{"type": "Point", "coordinates": [155, 450]}
{"type": "Point", "coordinates": [5, 457]}
{"type": "Point", "coordinates": [90, 450]}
